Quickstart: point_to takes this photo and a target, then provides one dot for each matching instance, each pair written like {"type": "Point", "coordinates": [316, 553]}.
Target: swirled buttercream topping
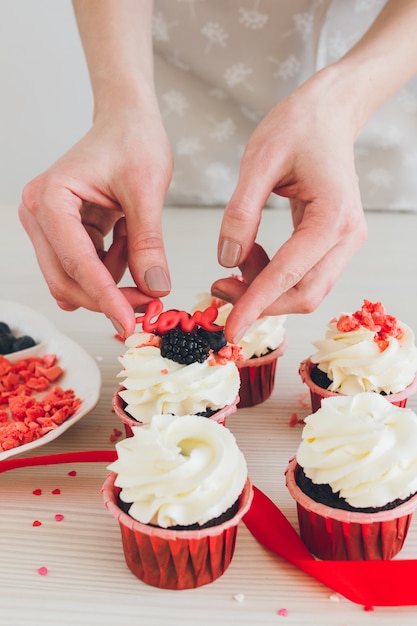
{"type": "Point", "coordinates": [181, 470]}
{"type": "Point", "coordinates": [154, 384]}
{"type": "Point", "coordinates": [364, 447]}
{"type": "Point", "coordinates": [264, 335]}
{"type": "Point", "coordinates": [367, 351]}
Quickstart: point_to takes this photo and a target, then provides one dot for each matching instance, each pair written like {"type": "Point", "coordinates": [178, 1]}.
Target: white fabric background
{"type": "Point", "coordinates": [222, 64]}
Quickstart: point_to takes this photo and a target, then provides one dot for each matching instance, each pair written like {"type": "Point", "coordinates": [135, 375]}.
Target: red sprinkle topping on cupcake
{"type": "Point", "coordinates": [373, 317]}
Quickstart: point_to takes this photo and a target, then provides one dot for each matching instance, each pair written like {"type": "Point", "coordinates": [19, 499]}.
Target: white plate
{"type": "Point", "coordinates": [81, 371]}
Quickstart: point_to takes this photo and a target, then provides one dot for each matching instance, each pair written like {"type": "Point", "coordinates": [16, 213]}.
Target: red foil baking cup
{"type": "Point", "coordinates": [257, 377]}
{"type": "Point", "coordinates": [129, 422]}
{"type": "Point", "coordinates": [335, 534]}
{"type": "Point", "coordinates": [176, 559]}
{"type": "Point", "coordinates": [318, 393]}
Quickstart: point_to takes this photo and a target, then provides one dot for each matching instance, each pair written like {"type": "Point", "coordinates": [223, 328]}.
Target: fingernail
{"type": "Point", "coordinates": [117, 325]}
{"type": "Point", "coordinates": [230, 252]}
{"type": "Point", "coordinates": [157, 280]}
{"type": "Point", "coordinates": [239, 334]}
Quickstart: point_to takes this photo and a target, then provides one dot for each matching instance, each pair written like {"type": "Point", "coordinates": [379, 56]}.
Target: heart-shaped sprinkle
{"type": "Point", "coordinates": [43, 571]}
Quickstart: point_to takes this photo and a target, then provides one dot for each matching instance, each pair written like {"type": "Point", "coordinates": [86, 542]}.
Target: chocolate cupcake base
{"type": "Point", "coordinates": [336, 534]}
{"type": "Point", "coordinates": [317, 392]}
{"type": "Point", "coordinates": [176, 559]}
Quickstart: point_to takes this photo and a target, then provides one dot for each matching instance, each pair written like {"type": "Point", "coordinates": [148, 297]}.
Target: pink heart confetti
{"type": "Point", "coordinates": [59, 517]}
{"type": "Point", "coordinates": [283, 612]}
{"type": "Point", "coordinates": [43, 571]}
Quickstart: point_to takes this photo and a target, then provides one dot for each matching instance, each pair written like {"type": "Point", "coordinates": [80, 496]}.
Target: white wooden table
{"type": "Point", "coordinates": [88, 582]}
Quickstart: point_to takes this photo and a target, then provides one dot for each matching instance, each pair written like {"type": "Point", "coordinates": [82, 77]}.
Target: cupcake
{"type": "Point", "coordinates": [354, 477]}
{"type": "Point", "coordinates": [262, 344]}
{"type": "Point", "coordinates": [366, 351]}
{"type": "Point", "coordinates": [180, 365]}
{"type": "Point", "coordinates": [178, 489]}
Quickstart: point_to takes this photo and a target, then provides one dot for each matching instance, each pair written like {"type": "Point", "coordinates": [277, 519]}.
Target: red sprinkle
{"type": "Point", "coordinates": [37, 523]}
{"type": "Point", "coordinates": [56, 492]}
{"type": "Point", "coordinates": [368, 608]}
{"type": "Point", "coordinates": [24, 417]}
{"type": "Point", "coordinates": [72, 473]}
{"type": "Point", "coordinates": [225, 354]}
{"type": "Point", "coordinates": [37, 492]}
{"type": "Point", "coordinates": [373, 317]}
{"type": "Point", "coordinates": [59, 517]}
{"type": "Point", "coordinates": [115, 435]}
{"type": "Point", "coordinates": [43, 571]}
{"type": "Point", "coordinates": [293, 419]}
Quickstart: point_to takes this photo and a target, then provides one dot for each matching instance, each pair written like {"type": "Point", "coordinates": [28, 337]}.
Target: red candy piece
{"type": "Point", "coordinates": [56, 491]}
{"type": "Point", "coordinates": [37, 492]}
{"type": "Point", "coordinates": [373, 317]}
{"type": "Point", "coordinates": [23, 417]}
{"type": "Point", "coordinates": [37, 523]}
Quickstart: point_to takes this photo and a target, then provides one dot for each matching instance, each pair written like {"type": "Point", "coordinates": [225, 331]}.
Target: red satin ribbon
{"type": "Point", "coordinates": [371, 583]}
{"type": "Point", "coordinates": [89, 456]}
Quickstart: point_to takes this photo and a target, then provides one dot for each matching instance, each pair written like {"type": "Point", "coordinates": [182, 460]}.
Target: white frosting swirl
{"type": "Point", "coordinates": [264, 335]}
{"type": "Point", "coordinates": [354, 362]}
{"type": "Point", "coordinates": [154, 384]}
{"type": "Point", "coordinates": [180, 470]}
{"type": "Point", "coordinates": [363, 447]}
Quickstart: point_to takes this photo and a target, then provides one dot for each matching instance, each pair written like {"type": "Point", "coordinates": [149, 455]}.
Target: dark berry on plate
{"type": "Point", "coordinates": [215, 339]}
{"type": "Point", "coordinates": [5, 329]}
{"type": "Point", "coordinates": [23, 342]}
{"type": "Point", "coordinates": [6, 343]}
{"type": "Point", "coordinates": [183, 347]}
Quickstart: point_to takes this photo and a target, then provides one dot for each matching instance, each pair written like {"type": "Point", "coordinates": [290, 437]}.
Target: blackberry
{"type": "Point", "coordinates": [6, 342]}
{"type": "Point", "coordinates": [23, 342]}
{"type": "Point", "coordinates": [9, 343]}
{"type": "Point", "coordinates": [184, 348]}
{"type": "Point", "coordinates": [5, 329]}
{"type": "Point", "coordinates": [215, 339]}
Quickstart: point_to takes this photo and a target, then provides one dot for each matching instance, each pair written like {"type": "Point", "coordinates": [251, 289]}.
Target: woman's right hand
{"type": "Point", "coordinates": [114, 179]}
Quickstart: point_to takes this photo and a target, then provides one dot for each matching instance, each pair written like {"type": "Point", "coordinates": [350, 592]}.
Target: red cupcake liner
{"type": "Point", "coordinates": [176, 559]}
{"type": "Point", "coordinates": [257, 377]}
{"type": "Point", "coordinates": [318, 393]}
{"type": "Point", "coordinates": [129, 422]}
{"type": "Point", "coordinates": [335, 534]}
